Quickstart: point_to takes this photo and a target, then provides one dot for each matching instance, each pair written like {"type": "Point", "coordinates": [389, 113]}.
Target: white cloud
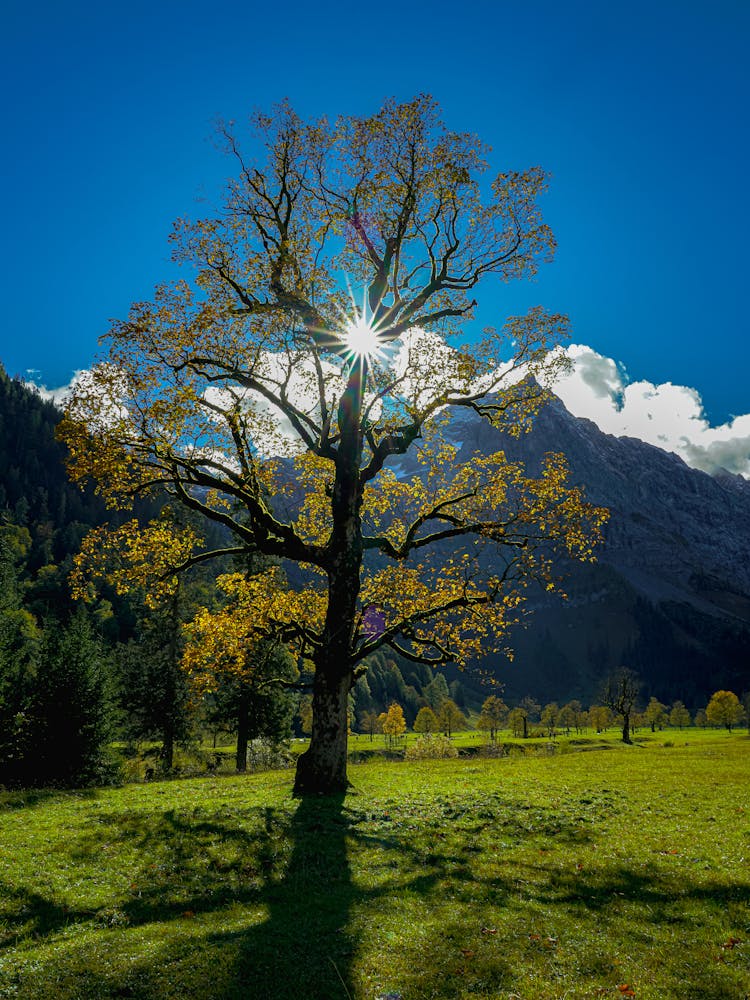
{"type": "Point", "coordinates": [666, 415]}
{"type": "Point", "coordinates": [58, 396]}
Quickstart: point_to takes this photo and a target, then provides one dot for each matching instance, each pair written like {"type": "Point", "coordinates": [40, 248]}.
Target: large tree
{"type": "Point", "coordinates": [278, 389]}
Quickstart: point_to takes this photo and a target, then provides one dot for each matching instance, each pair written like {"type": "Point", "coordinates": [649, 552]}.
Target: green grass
{"type": "Point", "coordinates": [575, 875]}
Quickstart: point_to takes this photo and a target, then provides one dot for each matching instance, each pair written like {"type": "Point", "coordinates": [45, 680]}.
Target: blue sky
{"type": "Point", "coordinates": [639, 111]}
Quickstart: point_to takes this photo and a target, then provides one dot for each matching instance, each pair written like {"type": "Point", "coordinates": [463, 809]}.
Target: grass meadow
{"type": "Point", "coordinates": [598, 870]}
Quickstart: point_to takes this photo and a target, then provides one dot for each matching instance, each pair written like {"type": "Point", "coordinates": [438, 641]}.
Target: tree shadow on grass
{"type": "Point", "coordinates": [278, 878]}
{"type": "Point", "coordinates": [260, 902]}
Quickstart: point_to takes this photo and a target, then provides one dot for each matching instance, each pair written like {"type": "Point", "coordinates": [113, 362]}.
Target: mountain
{"type": "Point", "coordinates": [35, 491]}
{"type": "Point", "coordinates": [670, 593]}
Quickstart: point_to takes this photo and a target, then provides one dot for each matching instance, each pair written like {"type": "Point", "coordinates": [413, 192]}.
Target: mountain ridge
{"type": "Point", "coordinates": [669, 594]}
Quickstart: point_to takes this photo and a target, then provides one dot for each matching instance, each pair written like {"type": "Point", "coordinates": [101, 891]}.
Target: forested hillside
{"type": "Point", "coordinates": [668, 598]}
{"type": "Point", "coordinates": [75, 676]}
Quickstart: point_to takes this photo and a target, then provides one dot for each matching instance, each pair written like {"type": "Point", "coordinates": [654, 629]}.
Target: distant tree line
{"type": "Point", "coordinates": [77, 678]}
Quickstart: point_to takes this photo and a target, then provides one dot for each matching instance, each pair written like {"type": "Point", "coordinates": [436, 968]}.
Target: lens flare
{"type": "Point", "coordinates": [360, 338]}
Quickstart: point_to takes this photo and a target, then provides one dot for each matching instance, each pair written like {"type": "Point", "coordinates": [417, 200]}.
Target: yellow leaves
{"type": "Point", "coordinates": [443, 606]}
{"type": "Point", "coordinates": [132, 557]}
{"type": "Point", "coordinates": [258, 608]}
{"type": "Point", "coordinates": [394, 723]}
{"type": "Point", "coordinates": [225, 392]}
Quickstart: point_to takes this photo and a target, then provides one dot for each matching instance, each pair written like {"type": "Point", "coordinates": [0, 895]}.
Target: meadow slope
{"type": "Point", "coordinates": [620, 872]}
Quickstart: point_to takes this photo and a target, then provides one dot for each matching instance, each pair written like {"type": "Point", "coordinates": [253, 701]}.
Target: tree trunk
{"type": "Point", "coordinates": [626, 728]}
{"type": "Point", "coordinates": [321, 769]}
{"type": "Point", "coordinates": [167, 750]}
{"type": "Point", "coordinates": [242, 734]}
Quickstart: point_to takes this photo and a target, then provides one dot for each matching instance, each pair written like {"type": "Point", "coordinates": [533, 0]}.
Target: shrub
{"type": "Point", "coordinates": [431, 747]}
{"type": "Point", "coordinates": [263, 755]}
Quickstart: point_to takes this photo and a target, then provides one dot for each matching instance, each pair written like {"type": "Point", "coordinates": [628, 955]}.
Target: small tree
{"type": "Point", "coordinates": [370, 723]}
{"type": "Point", "coordinates": [450, 717]}
{"type": "Point", "coordinates": [567, 718]}
{"type": "Point", "coordinates": [494, 713]}
{"type": "Point", "coordinates": [724, 709]}
{"type": "Point", "coordinates": [153, 688]}
{"type": "Point", "coordinates": [254, 705]}
{"type": "Point", "coordinates": [620, 693]}
{"type": "Point", "coordinates": [20, 644]}
{"type": "Point", "coordinates": [679, 715]}
{"type": "Point", "coordinates": [426, 721]}
{"type": "Point", "coordinates": [550, 716]}
{"type": "Point", "coordinates": [517, 721]}
{"type": "Point", "coordinates": [304, 714]}
{"type": "Point", "coordinates": [656, 714]}
{"type": "Point", "coordinates": [600, 718]}
{"type": "Point", "coordinates": [701, 719]}
{"type": "Point", "coordinates": [580, 716]}
{"type": "Point", "coordinates": [72, 704]}
{"type": "Point", "coordinates": [394, 724]}
{"type": "Point", "coordinates": [527, 709]}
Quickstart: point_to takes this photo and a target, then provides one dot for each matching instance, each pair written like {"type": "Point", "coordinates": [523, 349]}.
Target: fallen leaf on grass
{"type": "Point", "coordinates": [489, 930]}
{"type": "Point", "coordinates": [626, 989]}
{"type": "Point", "coordinates": [731, 942]}
{"type": "Point", "coordinates": [468, 953]}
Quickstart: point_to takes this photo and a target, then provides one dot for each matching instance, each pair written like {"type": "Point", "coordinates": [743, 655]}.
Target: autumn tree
{"type": "Point", "coordinates": [619, 695]}
{"type": "Point", "coordinates": [724, 709]}
{"type": "Point", "coordinates": [265, 394]}
{"type": "Point", "coordinates": [567, 717]}
{"type": "Point", "coordinates": [517, 721]}
{"type": "Point", "coordinates": [394, 724]}
{"type": "Point", "coordinates": [450, 717]}
{"type": "Point", "coordinates": [369, 723]}
{"type": "Point", "coordinates": [527, 709]}
{"type": "Point", "coordinates": [655, 714]}
{"type": "Point", "coordinates": [494, 713]}
{"type": "Point", "coordinates": [426, 721]}
{"type": "Point", "coordinates": [679, 715]}
{"type": "Point", "coordinates": [550, 717]}
{"type": "Point", "coordinates": [600, 717]}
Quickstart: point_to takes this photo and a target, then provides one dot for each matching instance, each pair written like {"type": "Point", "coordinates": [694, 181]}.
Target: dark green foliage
{"type": "Point", "coordinates": [410, 685]}
{"type": "Point", "coordinates": [153, 691]}
{"type": "Point", "coordinates": [259, 707]}
{"type": "Point", "coordinates": [34, 487]}
{"type": "Point", "coordinates": [71, 709]}
{"type": "Point", "coordinates": [54, 708]}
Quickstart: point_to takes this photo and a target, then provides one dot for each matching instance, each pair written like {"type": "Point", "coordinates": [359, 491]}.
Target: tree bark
{"type": "Point", "coordinates": [626, 728]}
{"type": "Point", "coordinates": [242, 734]}
{"type": "Point", "coordinates": [167, 750]}
{"type": "Point", "coordinates": [321, 769]}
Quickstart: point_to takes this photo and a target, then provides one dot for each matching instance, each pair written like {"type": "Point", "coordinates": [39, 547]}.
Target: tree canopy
{"type": "Point", "coordinates": [279, 388]}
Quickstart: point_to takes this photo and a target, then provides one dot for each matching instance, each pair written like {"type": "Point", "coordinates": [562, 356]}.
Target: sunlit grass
{"type": "Point", "coordinates": [578, 874]}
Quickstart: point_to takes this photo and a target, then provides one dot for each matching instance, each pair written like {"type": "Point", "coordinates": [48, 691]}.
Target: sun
{"type": "Point", "coordinates": [361, 338]}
